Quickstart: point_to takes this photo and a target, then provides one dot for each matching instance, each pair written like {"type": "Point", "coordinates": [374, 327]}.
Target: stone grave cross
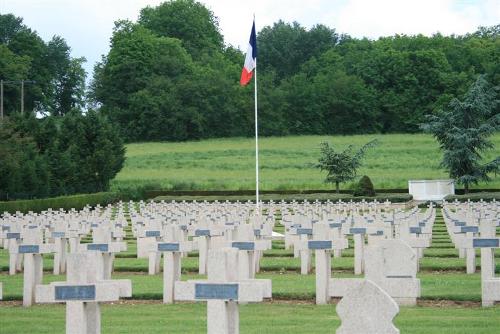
{"type": "Point", "coordinates": [222, 291]}
{"type": "Point", "coordinates": [82, 293]}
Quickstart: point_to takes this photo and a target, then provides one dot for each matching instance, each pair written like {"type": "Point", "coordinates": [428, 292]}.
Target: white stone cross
{"type": "Point", "coordinates": [490, 285]}
{"type": "Point", "coordinates": [367, 309]}
{"type": "Point", "coordinates": [322, 249]}
{"type": "Point", "coordinates": [204, 237]}
{"type": "Point", "coordinates": [82, 292]}
{"type": "Point", "coordinates": [222, 291]}
{"type": "Point", "coordinates": [33, 267]}
{"type": "Point", "coordinates": [105, 252]}
{"type": "Point", "coordinates": [172, 252]}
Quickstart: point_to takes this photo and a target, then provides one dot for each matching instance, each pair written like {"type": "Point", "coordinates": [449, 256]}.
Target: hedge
{"type": "Point", "coordinates": [77, 202]}
{"type": "Point", "coordinates": [323, 197]}
{"type": "Point", "coordinates": [486, 196]}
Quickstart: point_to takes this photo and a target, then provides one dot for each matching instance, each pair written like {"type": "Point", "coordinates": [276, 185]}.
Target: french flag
{"type": "Point", "coordinates": [250, 59]}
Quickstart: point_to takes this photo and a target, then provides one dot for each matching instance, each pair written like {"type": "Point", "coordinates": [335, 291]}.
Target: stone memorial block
{"type": "Point", "coordinates": [392, 265]}
{"type": "Point", "coordinates": [367, 309]}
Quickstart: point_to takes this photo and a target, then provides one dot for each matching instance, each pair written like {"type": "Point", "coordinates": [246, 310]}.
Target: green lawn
{"type": "Point", "coordinates": [254, 318]}
{"type": "Point", "coordinates": [285, 162]}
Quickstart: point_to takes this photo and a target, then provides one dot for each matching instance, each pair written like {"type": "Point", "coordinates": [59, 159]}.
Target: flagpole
{"type": "Point", "coordinates": [256, 146]}
{"type": "Point", "coordinates": [256, 140]}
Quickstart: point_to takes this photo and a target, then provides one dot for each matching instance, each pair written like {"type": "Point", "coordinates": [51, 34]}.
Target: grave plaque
{"type": "Point", "coordinates": [216, 291]}
{"type": "Point", "coordinates": [23, 249]}
{"type": "Point", "coordinates": [12, 235]}
{"type": "Point", "coordinates": [243, 245]}
{"type": "Point", "coordinates": [417, 230]}
{"type": "Point", "coordinates": [58, 234]}
{"type": "Point", "coordinates": [357, 230]}
{"type": "Point", "coordinates": [202, 233]}
{"type": "Point", "coordinates": [319, 244]}
{"type": "Point", "coordinates": [485, 243]}
{"type": "Point", "coordinates": [168, 247]}
{"type": "Point", "coordinates": [75, 292]}
{"type": "Point", "coordinates": [98, 247]}
{"type": "Point", "coordinates": [152, 233]}
{"type": "Point", "coordinates": [473, 229]}
{"type": "Point", "coordinates": [307, 231]}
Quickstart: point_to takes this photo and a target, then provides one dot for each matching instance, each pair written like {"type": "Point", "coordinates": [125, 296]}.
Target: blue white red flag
{"type": "Point", "coordinates": [250, 59]}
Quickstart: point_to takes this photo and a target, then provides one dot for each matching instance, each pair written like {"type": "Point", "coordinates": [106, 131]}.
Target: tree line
{"type": "Point", "coordinates": [57, 147]}
{"type": "Point", "coordinates": [170, 76]}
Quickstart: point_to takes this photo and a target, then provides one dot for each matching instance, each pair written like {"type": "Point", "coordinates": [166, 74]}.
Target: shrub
{"type": "Point", "coordinates": [364, 187]}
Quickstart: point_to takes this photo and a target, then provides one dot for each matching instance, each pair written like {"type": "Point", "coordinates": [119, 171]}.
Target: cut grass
{"type": "Point", "coordinates": [285, 163]}
{"type": "Point", "coordinates": [272, 318]}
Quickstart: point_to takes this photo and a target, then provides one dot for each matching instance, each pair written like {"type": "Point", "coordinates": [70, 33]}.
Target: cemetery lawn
{"type": "Point", "coordinates": [285, 163]}
{"type": "Point", "coordinates": [254, 318]}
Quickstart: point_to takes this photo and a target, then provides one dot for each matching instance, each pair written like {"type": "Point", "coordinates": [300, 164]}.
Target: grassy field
{"type": "Point", "coordinates": [272, 318]}
{"type": "Point", "coordinates": [285, 163]}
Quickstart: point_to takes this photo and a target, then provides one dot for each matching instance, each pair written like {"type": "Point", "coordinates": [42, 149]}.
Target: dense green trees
{"type": "Point", "coordinates": [74, 153]}
{"type": "Point", "coordinates": [171, 77]}
{"type": "Point", "coordinates": [60, 79]}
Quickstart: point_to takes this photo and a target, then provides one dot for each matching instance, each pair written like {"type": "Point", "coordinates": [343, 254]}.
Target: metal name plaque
{"type": "Point", "coordinates": [58, 234]}
{"type": "Point", "coordinates": [473, 229]}
{"type": "Point", "coordinates": [256, 232]}
{"type": "Point", "coordinates": [319, 244]}
{"type": "Point", "coordinates": [5, 228]}
{"type": "Point", "coordinates": [417, 230]}
{"type": "Point", "coordinates": [202, 233]}
{"type": "Point", "coordinates": [307, 231]}
{"type": "Point", "coordinates": [216, 291]}
{"type": "Point", "coordinates": [241, 245]}
{"type": "Point", "coordinates": [152, 233]}
{"type": "Point", "coordinates": [98, 247]}
{"type": "Point", "coordinates": [183, 227]}
{"type": "Point", "coordinates": [485, 243]}
{"type": "Point", "coordinates": [13, 235]}
{"type": "Point", "coordinates": [357, 230]}
{"type": "Point", "coordinates": [421, 224]}
{"type": "Point", "coordinates": [75, 292]}
{"type": "Point", "coordinates": [335, 225]}
{"type": "Point", "coordinates": [26, 249]}
{"type": "Point", "coordinates": [168, 247]}
{"type": "Point", "coordinates": [457, 223]}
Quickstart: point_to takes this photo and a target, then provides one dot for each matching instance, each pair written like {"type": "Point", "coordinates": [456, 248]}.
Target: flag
{"type": "Point", "coordinates": [250, 59]}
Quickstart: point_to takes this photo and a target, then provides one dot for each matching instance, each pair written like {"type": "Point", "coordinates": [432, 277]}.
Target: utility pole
{"type": "Point", "coordinates": [13, 82]}
{"type": "Point", "coordinates": [22, 97]}
{"type": "Point", "coordinates": [1, 99]}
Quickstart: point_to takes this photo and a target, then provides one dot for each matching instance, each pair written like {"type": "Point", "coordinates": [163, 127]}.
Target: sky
{"type": "Point", "coordinates": [87, 24]}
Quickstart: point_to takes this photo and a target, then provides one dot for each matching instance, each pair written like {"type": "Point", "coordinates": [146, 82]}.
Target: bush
{"type": "Point", "coordinates": [77, 202]}
{"type": "Point", "coordinates": [364, 187]}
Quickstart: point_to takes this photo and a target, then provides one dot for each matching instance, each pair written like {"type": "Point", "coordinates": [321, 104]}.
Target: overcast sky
{"type": "Point", "coordinates": [87, 24]}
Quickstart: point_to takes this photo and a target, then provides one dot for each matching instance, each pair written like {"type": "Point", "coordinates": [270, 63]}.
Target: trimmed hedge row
{"type": "Point", "coordinates": [65, 202]}
{"type": "Point", "coordinates": [394, 198]}
{"type": "Point", "coordinates": [486, 196]}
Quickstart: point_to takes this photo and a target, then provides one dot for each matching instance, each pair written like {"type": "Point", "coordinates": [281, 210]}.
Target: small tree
{"type": "Point", "coordinates": [462, 131]}
{"type": "Point", "coordinates": [341, 166]}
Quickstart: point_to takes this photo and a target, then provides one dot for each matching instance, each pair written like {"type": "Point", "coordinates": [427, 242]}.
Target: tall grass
{"type": "Point", "coordinates": [285, 163]}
